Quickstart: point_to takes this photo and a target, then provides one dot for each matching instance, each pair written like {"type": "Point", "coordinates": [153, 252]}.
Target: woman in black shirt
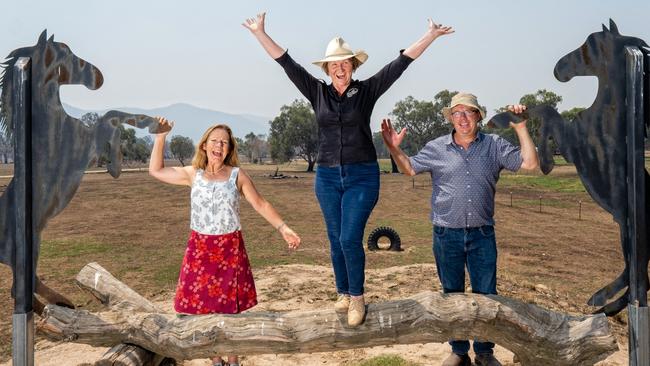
{"type": "Point", "coordinates": [347, 176]}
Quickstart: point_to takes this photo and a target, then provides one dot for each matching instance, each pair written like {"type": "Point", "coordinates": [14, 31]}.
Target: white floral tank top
{"type": "Point", "coordinates": [215, 205]}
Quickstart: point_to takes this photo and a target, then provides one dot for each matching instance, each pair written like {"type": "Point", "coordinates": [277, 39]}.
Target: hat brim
{"type": "Point", "coordinates": [361, 56]}
{"type": "Point", "coordinates": [446, 111]}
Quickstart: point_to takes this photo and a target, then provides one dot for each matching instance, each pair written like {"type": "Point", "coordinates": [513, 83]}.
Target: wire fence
{"type": "Point", "coordinates": [541, 203]}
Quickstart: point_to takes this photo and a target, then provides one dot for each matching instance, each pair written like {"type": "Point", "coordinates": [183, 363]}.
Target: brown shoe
{"type": "Point", "coordinates": [457, 360]}
{"type": "Point", "coordinates": [486, 359]}
{"type": "Point", "coordinates": [342, 304]}
{"type": "Point", "coordinates": [356, 311]}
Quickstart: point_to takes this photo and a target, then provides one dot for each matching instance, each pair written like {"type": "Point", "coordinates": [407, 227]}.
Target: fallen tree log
{"type": "Point", "coordinates": [536, 335]}
{"type": "Point", "coordinates": [114, 294]}
{"type": "Point", "coordinates": [110, 291]}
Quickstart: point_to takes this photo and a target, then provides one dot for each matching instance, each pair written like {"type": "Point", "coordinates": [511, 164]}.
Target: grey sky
{"type": "Point", "coordinates": [155, 53]}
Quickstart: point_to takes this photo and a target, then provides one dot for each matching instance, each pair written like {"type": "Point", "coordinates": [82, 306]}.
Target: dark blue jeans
{"type": "Point", "coordinates": [347, 194]}
{"type": "Point", "coordinates": [475, 248]}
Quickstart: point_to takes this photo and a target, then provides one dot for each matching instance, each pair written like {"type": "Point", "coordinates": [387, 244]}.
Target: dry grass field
{"type": "Point", "coordinates": [137, 228]}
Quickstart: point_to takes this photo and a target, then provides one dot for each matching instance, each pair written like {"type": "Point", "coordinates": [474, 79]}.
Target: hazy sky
{"type": "Point", "coordinates": [155, 53]}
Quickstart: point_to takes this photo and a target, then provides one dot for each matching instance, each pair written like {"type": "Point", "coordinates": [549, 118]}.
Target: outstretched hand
{"type": "Point", "coordinates": [438, 30]}
{"type": "Point", "coordinates": [164, 126]}
{"type": "Point", "coordinates": [392, 139]}
{"type": "Point", "coordinates": [255, 25]}
{"type": "Point", "coordinates": [290, 237]}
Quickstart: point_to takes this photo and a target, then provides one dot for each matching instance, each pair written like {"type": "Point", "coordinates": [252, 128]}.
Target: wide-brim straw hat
{"type": "Point", "coordinates": [466, 99]}
{"type": "Point", "coordinates": [338, 50]}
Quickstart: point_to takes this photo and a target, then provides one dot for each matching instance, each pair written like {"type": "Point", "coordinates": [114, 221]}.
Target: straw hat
{"type": "Point", "coordinates": [466, 99]}
{"type": "Point", "coordinates": [338, 50]}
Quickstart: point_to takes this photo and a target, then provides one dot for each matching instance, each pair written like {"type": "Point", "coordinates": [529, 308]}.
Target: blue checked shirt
{"type": "Point", "coordinates": [464, 181]}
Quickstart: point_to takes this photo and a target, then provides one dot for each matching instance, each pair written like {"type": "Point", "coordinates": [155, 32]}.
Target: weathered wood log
{"type": "Point", "coordinates": [110, 291]}
{"type": "Point", "coordinates": [116, 295]}
{"type": "Point", "coordinates": [126, 355]}
{"type": "Point", "coordinates": [536, 335]}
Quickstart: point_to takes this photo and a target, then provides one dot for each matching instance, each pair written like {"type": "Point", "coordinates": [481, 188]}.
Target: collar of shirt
{"type": "Point", "coordinates": [449, 139]}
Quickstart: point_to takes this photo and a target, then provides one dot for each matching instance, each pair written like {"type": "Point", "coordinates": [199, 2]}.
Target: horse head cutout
{"type": "Point", "coordinates": [63, 146]}
{"type": "Point", "coordinates": [595, 141]}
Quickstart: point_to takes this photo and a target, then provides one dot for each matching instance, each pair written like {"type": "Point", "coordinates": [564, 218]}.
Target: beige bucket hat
{"type": "Point", "coordinates": [338, 50]}
{"type": "Point", "coordinates": [464, 99]}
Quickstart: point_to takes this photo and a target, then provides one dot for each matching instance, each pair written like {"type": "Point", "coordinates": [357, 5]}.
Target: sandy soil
{"type": "Point", "coordinates": [280, 289]}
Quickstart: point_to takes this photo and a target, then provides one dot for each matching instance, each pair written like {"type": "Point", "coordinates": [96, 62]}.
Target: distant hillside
{"type": "Point", "coordinates": [192, 121]}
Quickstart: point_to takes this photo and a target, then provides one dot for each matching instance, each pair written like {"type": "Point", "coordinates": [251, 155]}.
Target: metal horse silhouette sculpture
{"type": "Point", "coordinates": [63, 147]}
{"type": "Point", "coordinates": [595, 141]}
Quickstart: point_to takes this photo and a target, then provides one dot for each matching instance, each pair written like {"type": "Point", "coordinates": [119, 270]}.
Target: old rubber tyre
{"type": "Point", "coordinates": [381, 232]}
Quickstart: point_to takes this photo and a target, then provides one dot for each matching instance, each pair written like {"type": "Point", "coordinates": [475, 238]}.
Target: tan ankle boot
{"type": "Point", "coordinates": [356, 311]}
{"type": "Point", "coordinates": [342, 304]}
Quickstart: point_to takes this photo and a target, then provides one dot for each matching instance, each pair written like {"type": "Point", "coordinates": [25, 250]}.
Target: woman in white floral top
{"type": "Point", "coordinates": [215, 276]}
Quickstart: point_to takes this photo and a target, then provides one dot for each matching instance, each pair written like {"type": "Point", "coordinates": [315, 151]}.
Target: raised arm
{"type": "Point", "coordinates": [528, 150]}
{"type": "Point", "coordinates": [172, 175]}
{"type": "Point", "coordinates": [434, 31]}
{"type": "Point", "coordinates": [256, 26]}
{"type": "Point", "coordinates": [265, 209]}
{"type": "Point", "coordinates": [392, 139]}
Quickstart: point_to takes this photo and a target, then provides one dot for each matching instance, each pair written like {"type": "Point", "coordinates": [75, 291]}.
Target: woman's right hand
{"type": "Point", "coordinates": [255, 25]}
{"type": "Point", "coordinates": [164, 127]}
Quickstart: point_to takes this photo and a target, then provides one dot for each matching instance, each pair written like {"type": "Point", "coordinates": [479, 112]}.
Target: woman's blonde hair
{"type": "Point", "coordinates": [200, 159]}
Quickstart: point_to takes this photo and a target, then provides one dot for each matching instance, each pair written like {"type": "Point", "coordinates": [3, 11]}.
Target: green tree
{"type": "Point", "coordinates": [295, 133]}
{"type": "Point", "coordinates": [141, 150]}
{"type": "Point", "coordinates": [255, 147]}
{"type": "Point", "coordinates": [542, 96]}
{"type": "Point", "coordinates": [182, 148]}
{"type": "Point", "coordinates": [571, 114]}
{"type": "Point", "coordinates": [423, 119]}
{"type": "Point", "coordinates": [241, 148]}
{"type": "Point", "coordinates": [281, 150]}
{"type": "Point", "coordinates": [127, 141]}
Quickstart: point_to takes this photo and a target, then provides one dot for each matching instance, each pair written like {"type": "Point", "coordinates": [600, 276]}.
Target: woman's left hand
{"type": "Point", "coordinates": [438, 30]}
{"type": "Point", "coordinates": [290, 237]}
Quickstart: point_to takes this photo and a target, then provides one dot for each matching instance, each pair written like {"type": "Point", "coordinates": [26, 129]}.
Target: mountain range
{"type": "Point", "coordinates": [191, 121]}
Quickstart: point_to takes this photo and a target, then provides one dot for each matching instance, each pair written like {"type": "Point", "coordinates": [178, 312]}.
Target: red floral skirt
{"type": "Point", "coordinates": [215, 276]}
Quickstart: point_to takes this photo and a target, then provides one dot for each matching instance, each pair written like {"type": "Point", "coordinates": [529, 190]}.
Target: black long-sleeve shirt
{"type": "Point", "coordinates": [344, 120]}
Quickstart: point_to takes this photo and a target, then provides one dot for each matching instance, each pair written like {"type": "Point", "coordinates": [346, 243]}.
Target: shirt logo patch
{"type": "Point", "coordinates": [352, 92]}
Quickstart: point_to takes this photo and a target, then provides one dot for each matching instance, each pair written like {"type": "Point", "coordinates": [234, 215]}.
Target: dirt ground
{"type": "Point", "coordinates": [137, 228]}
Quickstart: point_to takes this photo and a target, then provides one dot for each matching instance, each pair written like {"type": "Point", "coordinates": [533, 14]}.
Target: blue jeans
{"type": "Point", "coordinates": [347, 194]}
{"type": "Point", "coordinates": [475, 248]}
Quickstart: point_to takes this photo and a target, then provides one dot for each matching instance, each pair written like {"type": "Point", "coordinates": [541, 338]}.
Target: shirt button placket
{"type": "Point", "coordinates": [469, 200]}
